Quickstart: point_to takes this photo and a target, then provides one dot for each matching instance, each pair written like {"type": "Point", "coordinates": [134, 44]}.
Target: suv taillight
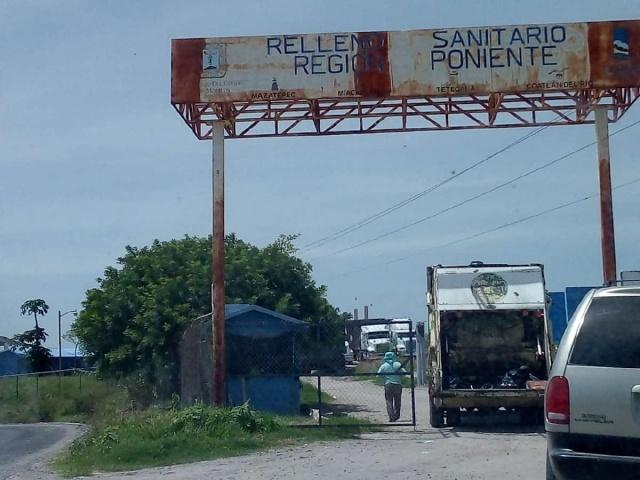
{"type": "Point", "coordinates": [557, 400]}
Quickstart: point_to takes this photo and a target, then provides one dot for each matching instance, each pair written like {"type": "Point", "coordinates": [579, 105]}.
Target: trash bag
{"type": "Point", "coordinates": [515, 378]}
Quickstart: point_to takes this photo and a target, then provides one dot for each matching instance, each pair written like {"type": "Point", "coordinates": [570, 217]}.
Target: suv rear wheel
{"type": "Point", "coordinates": [550, 474]}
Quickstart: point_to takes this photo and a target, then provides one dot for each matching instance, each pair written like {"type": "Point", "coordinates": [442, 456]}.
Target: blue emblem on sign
{"type": "Point", "coordinates": [214, 61]}
{"type": "Point", "coordinates": [621, 42]}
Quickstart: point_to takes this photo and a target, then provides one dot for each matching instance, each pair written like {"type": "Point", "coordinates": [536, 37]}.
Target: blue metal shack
{"type": "Point", "coordinates": [262, 358]}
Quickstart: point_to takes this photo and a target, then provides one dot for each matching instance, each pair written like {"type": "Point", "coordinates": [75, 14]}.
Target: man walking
{"type": "Point", "coordinates": [392, 370]}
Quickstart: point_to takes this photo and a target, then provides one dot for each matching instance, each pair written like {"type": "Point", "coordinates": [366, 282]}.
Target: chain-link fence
{"type": "Point", "coordinates": [46, 395]}
{"type": "Point", "coordinates": [290, 368]}
{"type": "Point", "coordinates": [358, 400]}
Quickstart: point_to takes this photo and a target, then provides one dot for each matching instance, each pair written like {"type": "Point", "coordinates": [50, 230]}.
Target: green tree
{"type": "Point", "coordinates": [132, 322]}
{"type": "Point", "coordinates": [31, 341]}
{"type": "Point", "coordinates": [35, 307]}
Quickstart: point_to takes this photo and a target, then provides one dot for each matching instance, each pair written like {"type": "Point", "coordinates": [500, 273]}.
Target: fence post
{"type": "Point", "coordinates": [37, 385]}
{"type": "Point", "coordinates": [17, 387]}
{"type": "Point", "coordinates": [319, 401]}
{"type": "Point", "coordinates": [413, 386]}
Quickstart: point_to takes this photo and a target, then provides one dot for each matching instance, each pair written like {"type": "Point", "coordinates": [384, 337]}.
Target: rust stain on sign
{"type": "Point", "coordinates": [439, 62]}
{"type": "Point", "coordinates": [186, 69]}
{"type": "Point", "coordinates": [614, 53]}
{"type": "Point", "coordinates": [372, 77]}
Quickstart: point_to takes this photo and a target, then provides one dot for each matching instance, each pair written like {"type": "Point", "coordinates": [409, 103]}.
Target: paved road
{"type": "Point", "coordinates": [26, 449]}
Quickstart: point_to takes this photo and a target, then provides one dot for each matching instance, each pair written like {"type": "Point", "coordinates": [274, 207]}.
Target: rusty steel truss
{"type": "Point", "coordinates": [348, 116]}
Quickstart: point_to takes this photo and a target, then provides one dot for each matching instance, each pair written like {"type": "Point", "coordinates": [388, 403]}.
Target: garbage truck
{"type": "Point", "coordinates": [489, 341]}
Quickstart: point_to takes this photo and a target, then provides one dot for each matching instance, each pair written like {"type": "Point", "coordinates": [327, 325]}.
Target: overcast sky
{"type": "Point", "coordinates": [93, 157]}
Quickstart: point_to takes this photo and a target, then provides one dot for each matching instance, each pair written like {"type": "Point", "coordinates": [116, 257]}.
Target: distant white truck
{"type": "Point", "coordinates": [376, 339]}
{"type": "Point", "coordinates": [402, 336]}
{"type": "Point", "coordinates": [489, 340]}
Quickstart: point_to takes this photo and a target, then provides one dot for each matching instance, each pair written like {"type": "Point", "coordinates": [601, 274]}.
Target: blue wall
{"type": "Point", "coordinates": [558, 314]}
{"type": "Point", "coordinates": [276, 394]}
{"type": "Point", "coordinates": [12, 363]}
{"type": "Point", "coordinates": [574, 297]}
{"type": "Point", "coordinates": [563, 306]}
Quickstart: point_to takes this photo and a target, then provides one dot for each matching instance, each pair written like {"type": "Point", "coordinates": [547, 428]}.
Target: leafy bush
{"type": "Point", "coordinates": [158, 437]}
{"type": "Point", "coordinates": [201, 418]}
{"type": "Point", "coordinates": [132, 322]}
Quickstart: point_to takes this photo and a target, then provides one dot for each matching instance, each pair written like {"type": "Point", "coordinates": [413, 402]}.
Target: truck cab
{"type": "Point", "coordinates": [376, 339]}
{"type": "Point", "coordinates": [489, 340]}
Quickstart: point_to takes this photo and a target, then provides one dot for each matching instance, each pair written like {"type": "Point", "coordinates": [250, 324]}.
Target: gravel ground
{"type": "Point", "coordinates": [365, 400]}
{"type": "Point", "coordinates": [398, 453]}
{"type": "Point", "coordinates": [433, 454]}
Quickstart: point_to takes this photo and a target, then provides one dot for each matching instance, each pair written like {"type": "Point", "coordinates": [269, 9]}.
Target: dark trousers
{"type": "Point", "coordinates": [393, 396]}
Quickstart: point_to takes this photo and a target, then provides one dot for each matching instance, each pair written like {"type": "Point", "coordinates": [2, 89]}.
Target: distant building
{"type": "Point", "coordinates": [5, 343]}
{"type": "Point", "coordinates": [16, 362]}
{"type": "Point", "coordinates": [12, 363]}
{"type": "Point", "coordinates": [71, 358]}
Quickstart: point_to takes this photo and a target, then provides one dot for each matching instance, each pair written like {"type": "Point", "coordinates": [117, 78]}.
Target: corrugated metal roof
{"type": "Point", "coordinates": [235, 309]}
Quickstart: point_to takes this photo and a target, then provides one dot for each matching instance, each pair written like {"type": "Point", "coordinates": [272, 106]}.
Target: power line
{"type": "Point", "coordinates": [382, 213]}
{"type": "Point", "coordinates": [474, 197]}
{"type": "Point", "coordinates": [495, 229]}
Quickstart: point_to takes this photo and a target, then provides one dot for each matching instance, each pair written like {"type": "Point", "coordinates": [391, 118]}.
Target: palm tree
{"type": "Point", "coordinates": [37, 306]}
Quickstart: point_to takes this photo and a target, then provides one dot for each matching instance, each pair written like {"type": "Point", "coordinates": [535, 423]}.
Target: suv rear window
{"type": "Point", "coordinates": [610, 334]}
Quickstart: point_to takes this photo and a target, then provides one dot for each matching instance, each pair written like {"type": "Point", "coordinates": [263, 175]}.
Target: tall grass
{"type": "Point", "coordinates": [309, 396]}
{"type": "Point", "coordinates": [155, 437]}
{"type": "Point", "coordinates": [123, 438]}
{"type": "Point", "coordinates": [73, 398]}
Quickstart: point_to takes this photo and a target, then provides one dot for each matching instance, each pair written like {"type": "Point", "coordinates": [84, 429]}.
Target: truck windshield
{"type": "Point", "coordinates": [377, 335]}
{"type": "Point", "coordinates": [610, 334]}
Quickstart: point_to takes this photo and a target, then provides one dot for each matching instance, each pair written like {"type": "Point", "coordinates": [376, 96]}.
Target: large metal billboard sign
{"type": "Point", "coordinates": [441, 62]}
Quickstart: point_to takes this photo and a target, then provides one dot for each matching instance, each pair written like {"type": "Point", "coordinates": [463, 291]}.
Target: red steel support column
{"type": "Point", "coordinates": [606, 202]}
{"type": "Point", "coordinates": [217, 267]}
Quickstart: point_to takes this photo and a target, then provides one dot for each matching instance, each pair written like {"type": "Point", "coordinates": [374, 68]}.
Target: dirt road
{"type": "Point", "coordinates": [365, 400]}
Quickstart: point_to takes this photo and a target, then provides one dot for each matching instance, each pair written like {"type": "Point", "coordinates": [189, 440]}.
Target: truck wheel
{"type": "Point", "coordinates": [453, 417]}
{"type": "Point", "coordinates": [436, 415]}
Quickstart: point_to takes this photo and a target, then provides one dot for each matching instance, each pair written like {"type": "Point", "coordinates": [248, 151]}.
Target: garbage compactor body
{"type": "Point", "coordinates": [489, 340]}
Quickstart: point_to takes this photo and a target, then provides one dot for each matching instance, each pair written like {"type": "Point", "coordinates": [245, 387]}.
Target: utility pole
{"type": "Point", "coordinates": [218, 394]}
{"type": "Point", "coordinates": [59, 340]}
{"type": "Point", "coordinates": [608, 240]}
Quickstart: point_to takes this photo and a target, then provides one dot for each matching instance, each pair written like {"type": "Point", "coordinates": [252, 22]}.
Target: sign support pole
{"type": "Point", "coordinates": [217, 267]}
{"type": "Point", "coordinates": [606, 202]}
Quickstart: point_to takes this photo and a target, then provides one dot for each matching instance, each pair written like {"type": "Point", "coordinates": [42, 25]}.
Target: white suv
{"type": "Point", "coordinates": [592, 402]}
